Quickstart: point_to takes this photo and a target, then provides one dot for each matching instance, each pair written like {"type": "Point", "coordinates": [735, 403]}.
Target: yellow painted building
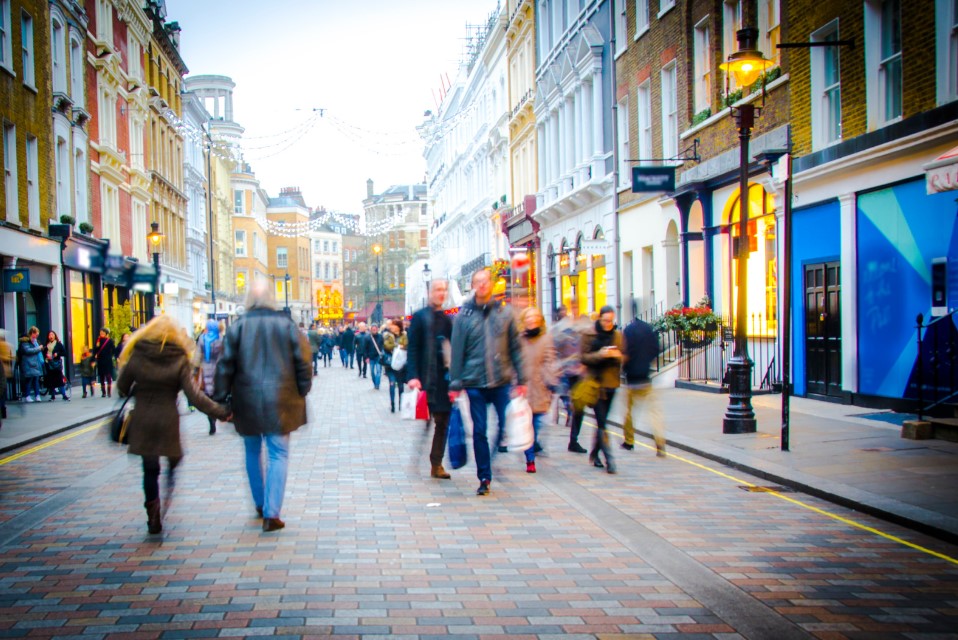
{"type": "Point", "coordinates": [288, 246]}
{"type": "Point", "coordinates": [250, 256]}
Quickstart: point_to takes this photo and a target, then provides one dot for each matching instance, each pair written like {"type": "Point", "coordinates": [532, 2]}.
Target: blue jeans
{"type": "Point", "coordinates": [479, 401]}
{"type": "Point", "coordinates": [536, 423]}
{"type": "Point", "coordinates": [376, 371]}
{"type": "Point", "coordinates": [267, 488]}
{"type": "Point", "coordinates": [31, 387]}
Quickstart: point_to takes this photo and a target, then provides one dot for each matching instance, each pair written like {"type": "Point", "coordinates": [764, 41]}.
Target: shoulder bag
{"type": "Point", "coordinates": [120, 421]}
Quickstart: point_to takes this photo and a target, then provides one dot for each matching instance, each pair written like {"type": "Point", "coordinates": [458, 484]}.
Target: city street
{"type": "Point", "coordinates": [669, 547]}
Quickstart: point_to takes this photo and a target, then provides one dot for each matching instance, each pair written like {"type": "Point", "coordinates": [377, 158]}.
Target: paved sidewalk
{"type": "Point", "coordinates": [836, 454]}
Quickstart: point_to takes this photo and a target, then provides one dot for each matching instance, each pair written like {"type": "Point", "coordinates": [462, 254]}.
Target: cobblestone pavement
{"type": "Point", "coordinates": [667, 548]}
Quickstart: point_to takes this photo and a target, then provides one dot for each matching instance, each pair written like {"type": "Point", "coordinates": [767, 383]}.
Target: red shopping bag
{"type": "Point", "coordinates": [422, 408]}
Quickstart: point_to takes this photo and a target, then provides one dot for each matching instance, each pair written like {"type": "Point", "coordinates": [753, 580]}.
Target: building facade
{"type": "Point", "coordinates": [288, 246]}
{"type": "Point", "coordinates": [250, 250]}
{"type": "Point", "coordinates": [326, 235]}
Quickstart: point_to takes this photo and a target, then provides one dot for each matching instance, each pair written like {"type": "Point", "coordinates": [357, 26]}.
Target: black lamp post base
{"type": "Point", "coordinates": [739, 416]}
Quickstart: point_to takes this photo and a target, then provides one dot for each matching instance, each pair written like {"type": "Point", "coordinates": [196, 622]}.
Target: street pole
{"type": "Point", "coordinates": [286, 293]}
{"type": "Point", "coordinates": [209, 207]}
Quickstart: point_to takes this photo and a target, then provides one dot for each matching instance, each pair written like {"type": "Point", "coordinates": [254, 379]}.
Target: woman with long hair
{"type": "Point", "coordinates": [155, 367]}
{"type": "Point", "coordinates": [540, 365]}
{"type": "Point", "coordinates": [53, 358]}
{"type": "Point", "coordinates": [394, 338]}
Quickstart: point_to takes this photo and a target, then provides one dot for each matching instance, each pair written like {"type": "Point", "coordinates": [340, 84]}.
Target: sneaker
{"type": "Point", "coordinates": [627, 446]}
{"type": "Point", "coordinates": [483, 488]}
{"type": "Point", "coordinates": [575, 447]}
{"type": "Point", "coordinates": [28, 399]}
{"type": "Point", "coordinates": [530, 467]}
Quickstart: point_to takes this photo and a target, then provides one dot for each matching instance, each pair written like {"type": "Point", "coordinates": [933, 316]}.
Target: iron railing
{"type": "Point", "coordinates": [704, 357]}
{"type": "Point", "coordinates": [935, 372]}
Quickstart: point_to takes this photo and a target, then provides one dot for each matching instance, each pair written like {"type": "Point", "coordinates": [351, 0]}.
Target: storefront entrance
{"type": "Point", "coordinates": [823, 329]}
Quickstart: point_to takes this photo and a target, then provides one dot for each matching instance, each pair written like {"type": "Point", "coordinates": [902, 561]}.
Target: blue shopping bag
{"type": "Point", "coordinates": [457, 440]}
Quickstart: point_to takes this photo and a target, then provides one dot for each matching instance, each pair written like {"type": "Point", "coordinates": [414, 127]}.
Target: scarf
{"type": "Point", "coordinates": [212, 335]}
{"type": "Point", "coordinates": [603, 338]}
{"type": "Point", "coordinates": [532, 333]}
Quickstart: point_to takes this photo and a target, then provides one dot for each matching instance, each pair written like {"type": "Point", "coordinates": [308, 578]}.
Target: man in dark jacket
{"type": "Point", "coordinates": [641, 349]}
{"type": "Point", "coordinates": [486, 357]}
{"type": "Point", "coordinates": [315, 345]}
{"type": "Point", "coordinates": [359, 347]}
{"type": "Point", "coordinates": [348, 346]}
{"type": "Point", "coordinates": [373, 350]}
{"type": "Point", "coordinates": [429, 339]}
{"type": "Point", "coordinates": [268, 388]}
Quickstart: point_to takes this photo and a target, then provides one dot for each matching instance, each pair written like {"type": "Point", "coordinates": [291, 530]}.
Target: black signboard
{"type": "Point", "coordinates": [16, 280]}
{"type": "Point", "coordinates": [645, 179]}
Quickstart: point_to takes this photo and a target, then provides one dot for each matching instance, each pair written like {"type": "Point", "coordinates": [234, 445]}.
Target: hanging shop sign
{"type": "Point", "coordinates": [646, 179]}
{"type": "Point", "coordinates": [16, 280]}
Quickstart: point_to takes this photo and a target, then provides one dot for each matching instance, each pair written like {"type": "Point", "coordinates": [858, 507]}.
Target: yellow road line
{"type": "Point", "coordinates": [40, 447]}
{"type": "Point", "coordinates": [823, 512]}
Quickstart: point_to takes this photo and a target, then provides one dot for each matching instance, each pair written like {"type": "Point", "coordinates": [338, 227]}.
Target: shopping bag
{"type": "Point", "coordinates": [120, 421]}
{"type": "Point", "coordinates": [422, 406]}
{"type": "Point", "coordinates": [399, 359]}
{"type": "Point", "coordinates": [519, 434]}
{"type": "Point", "coordinates": [456, 437]}
{"type": "Point", "coordinates": [462, 402]}
{"type": "Point", "coordinates": [407, 408]}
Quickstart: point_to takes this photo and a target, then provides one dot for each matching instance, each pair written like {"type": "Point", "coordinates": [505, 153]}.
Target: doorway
{"type": "Point", "coordinates": [823, 329]}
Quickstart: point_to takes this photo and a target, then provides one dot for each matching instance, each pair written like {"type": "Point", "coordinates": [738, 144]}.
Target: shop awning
{"type": "Point", "coordinates": [942, 173]}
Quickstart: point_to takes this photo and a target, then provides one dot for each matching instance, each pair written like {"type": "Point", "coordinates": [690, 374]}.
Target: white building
{"type": "Point", "coordinates": [575, 145]}
{"type": "Point", "coordinates": [467, 160]}
{"type": "Point", "coordinates": [196, 184]}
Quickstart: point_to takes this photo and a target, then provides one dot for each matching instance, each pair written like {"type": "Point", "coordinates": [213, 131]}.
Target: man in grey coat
{"type": "Point", "coordinates": [486, 358]}
{"type": "Point", "coordinates": [265, 372]}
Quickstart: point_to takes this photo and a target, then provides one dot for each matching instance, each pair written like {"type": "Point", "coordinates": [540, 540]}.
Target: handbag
{"type": "Point", "coordinates": [422, 406]}
{"type": "Point", "coordinates": [120, 421]}
{"type": "Point", "coordinates": [585, 393]}
{"type": "Point", "coordinates": [456, 437]}
{"type": "Point", "coordinates": [398, 359]}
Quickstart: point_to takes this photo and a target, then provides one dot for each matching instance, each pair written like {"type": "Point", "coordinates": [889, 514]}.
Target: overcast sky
{"type": "Point", "coordinates": [374, 66]}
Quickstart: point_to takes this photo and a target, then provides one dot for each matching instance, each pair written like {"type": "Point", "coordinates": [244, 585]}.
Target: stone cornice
{"type": "Point", "coordinates": [135, 18]}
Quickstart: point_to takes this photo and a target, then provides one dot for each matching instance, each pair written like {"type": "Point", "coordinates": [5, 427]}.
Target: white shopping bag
{"type": "Point", "coordinates": [462, 401]}
{"type": "Point", "coordinates": [519, 432]}
{"type": "Point", "coordinates": [407, 408]}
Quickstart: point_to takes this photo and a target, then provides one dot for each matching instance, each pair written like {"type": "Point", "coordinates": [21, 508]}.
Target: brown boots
{"type": "Point", "coordinates": [153, 524]}
{"type": "Point", "coordinates": [439, 472]}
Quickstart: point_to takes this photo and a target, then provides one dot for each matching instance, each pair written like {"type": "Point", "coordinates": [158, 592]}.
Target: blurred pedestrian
{"type": "Point", "coordinates": [7, 363]}
{"type": "Point", "coordinates": [359, 346]}
{"type": "Point", "coordinates": [373, 350]}
{"type": "Point", "coordinates": [429, 335]}
{"type": "Point", "coordinates": [104, 351]}
{"type": "Point", "coordinates": [539, 362]}
{"type": "Point", "coordinates": [265, 368]}
{"type": "Point", "coordinates": [602, 356]}
{"type": "Point", "coordinates": [208, 350]}
{"type": "Point", "coordinates": [53, 365]}
{"type": "Point", "coordinates": [486, 357]}
{"type": "Point", "coordinates": [30, 356]}
{"type": "Point", "coordinates": [155, 366]}
{"type": "Point", "coordinates": [394, 340]}
{"type": "Point", "coordinates": [87, 370]}
{"type": "Point", "coordinates": [315, 345]}
{"type": "Point", "coordinates": [326, 345]}
{"type": "Point", "coordinates": [567, 338]}
{"type": "Point", "coordinates": [641, 350]}
{"type": "Point", "coordinates": [347, 346]}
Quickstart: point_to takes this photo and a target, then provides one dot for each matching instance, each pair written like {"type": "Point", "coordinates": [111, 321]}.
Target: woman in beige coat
{"type": "Point", "coordinates": [541, 372]}
{"type": "Point", "coordinates": [155, 367]}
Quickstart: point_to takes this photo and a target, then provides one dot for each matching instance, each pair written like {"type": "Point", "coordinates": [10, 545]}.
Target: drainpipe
{"type": "Point", "coordinates": [617, 238]}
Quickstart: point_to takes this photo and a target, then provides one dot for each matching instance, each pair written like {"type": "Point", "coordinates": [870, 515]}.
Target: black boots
{"type": "Point", "coordinates": [153, 524]}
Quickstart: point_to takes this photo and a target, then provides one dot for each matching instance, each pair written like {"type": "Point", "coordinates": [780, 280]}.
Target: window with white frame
{"type": "Point", "coordinates": [6, 35]}
{"type": "Point", "coordinates": [137, 153]}
{"type": "Point", "coordinates": [883, 71]}
{"type": "Point", "coordinates": [335, 246]}
{"type": "Point", "coordinates": [731, 23]}
{"type": "Point", "coordinates": [110, 212]}
{"type": "Point", "coordinates": [325, 246]}
{"type": "Point", "coordinates": [61, 166]}
{"type": "Point", "coordinates": [665, 6]}
{"type": "Point", "coordinates": [141, 249]}
{"type": "Point", "coordinates": [134, 53]}
{"type": "Point", "coordinates": [346, 255]}
{"type": "Point", "coordinates": [107, 117]}
{"type": "Point", "coordinates": [621, 26]}
{"type": "Point", "coordinates": [58, 54]}
{"type": "Point", "coordinates": [33, 180]}
{"type": "Point", "coordinates": [702, 66]}
{"type": "Point", "coordinates": [670, 112]}
{"type": "Point", "coordinates": [625, 175]}
{"type": "Point", "coordinates": [26, 43]}
{"type": "Point", "coordinates": [946, 49]}
{"type": "Point", "coordinates": [104, 21]}
{"type": "Point", "coordinates": [325, 271]}
{"type": "Point", "coordinates": [10, 171]}
{"type": "Point", "coordinates": [76, 72]}
{"type": "Point", "coordinates": [644, 116]}
{"type": "Point", "coordinates": [80, 184]}
{"type": "Point", "coordinates": [282, 257]}
{"type": "Point", "coordinates": [826, 88]}
{"type": "Point", "coordinates": [240, 243]}
{"type": "Point", "coordinates": [770, 29]}
{"type": "Point", "coordinates": [238, 201]}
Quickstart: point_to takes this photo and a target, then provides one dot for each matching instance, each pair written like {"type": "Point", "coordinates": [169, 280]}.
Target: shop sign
{"type": "Point", "coordinates": [646, 179]}
{"type": "Point", "coordinates": [942, 174]}
{"type": "Point", "coordinates": [16, 280]}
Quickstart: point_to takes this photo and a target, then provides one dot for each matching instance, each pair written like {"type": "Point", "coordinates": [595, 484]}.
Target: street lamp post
{"type": "Point", "coordinates": [286, 292]}
{"type": "Point", "coordinates": [378, 312]}
{"type": "Point", "coordinates": [155, 237]}
{"type": "Point", "coordinates": [746, 64]}
{"type": "Point", "coordinates": [427, 278]}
